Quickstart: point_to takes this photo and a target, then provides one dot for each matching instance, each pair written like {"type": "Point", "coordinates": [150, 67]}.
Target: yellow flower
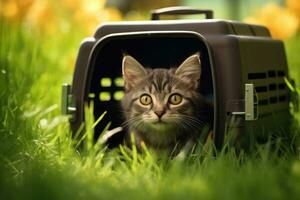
{"type": "Point", "coordinates": [9, 9]}
{"type": "Point", "coordinates": [110, 14]}
{"type": "Point", "coordinates": [43, 16]}
{"type": "Point", "coordinates": [92, 12]}
{"type": "Point", "coordinates": [52, 16]}
{"type": "Point", "coordinates": [15, 10]}
{"type": "Point", "coordinates": [281, 22]}
{"type": "Point", "coordinates": [71, 4]}
{"type": "Point", "coordinates": [92, 6]}
{"type": "Point", "coordinates": [294, 6]}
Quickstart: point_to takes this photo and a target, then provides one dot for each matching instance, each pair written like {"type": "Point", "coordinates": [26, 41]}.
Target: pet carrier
{"type": "Point", "coordinates": [244, 70]}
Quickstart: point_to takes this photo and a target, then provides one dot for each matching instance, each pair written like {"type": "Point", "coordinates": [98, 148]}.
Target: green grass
{"type": "Point", "coordinates": [38, 159]}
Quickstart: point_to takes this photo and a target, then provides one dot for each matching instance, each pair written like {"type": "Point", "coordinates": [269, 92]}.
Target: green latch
{"type": "Point", "coordinates": [67, 101]}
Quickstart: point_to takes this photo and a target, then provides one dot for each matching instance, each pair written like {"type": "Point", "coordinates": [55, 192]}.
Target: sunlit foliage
{"type": "Point", "coordinates": [58, 16]}
{"type": "Point", "coordinates": [282, 21]}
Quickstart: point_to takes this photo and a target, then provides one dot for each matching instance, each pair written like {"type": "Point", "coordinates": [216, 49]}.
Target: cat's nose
{"type": "Point", "coordinates": [159, 113]}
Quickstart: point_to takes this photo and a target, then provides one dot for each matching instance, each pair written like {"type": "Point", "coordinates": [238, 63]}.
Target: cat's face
{"type": "Point", "coordinates": [161, 100]}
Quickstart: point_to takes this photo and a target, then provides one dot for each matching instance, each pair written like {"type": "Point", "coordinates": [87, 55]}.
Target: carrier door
{"type": "Point", "coordinates": [166, 49]}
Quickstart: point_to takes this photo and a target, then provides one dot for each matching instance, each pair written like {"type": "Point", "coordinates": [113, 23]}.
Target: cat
{"type": "Point", "coordinates": [163, 107]}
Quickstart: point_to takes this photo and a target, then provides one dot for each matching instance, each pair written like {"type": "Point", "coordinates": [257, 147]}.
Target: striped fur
{"type": "Point", "coordinates": [179, 123]}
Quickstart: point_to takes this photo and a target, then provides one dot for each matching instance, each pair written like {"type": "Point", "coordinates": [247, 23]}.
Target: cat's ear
{"type": "Point", "coordinates": [132, 71]}
{"type": "Point", "coordinates": [190, 69]}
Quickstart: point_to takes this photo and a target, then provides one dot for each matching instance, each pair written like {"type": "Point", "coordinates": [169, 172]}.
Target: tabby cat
{"type": "Point", "coordinates": [163, 107]}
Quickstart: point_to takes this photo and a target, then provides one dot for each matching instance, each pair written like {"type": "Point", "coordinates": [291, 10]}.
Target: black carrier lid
{"type": "Point", "coordinates": [204, 27]}
{"type": "Point", "coordinates": [208, 26]}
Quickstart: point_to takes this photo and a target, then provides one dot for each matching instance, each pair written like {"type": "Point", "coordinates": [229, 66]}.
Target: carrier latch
{"type": "Point", "coordinates": [67, 101]}
{"type": "Point", "coordinates": [250, 103]}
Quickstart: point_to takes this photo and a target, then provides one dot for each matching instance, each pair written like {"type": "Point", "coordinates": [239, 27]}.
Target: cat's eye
{"type": "Point", "coordinates": [145, 99]}
{"type": "Point", "coordinates": [175, 99]}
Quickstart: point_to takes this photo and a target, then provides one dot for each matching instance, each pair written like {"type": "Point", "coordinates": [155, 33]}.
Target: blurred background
{"type": "Point", "coordinates": [57, 27]}
{"type": "Point", "coordinates": [69, 16]}
{"type": "Point", "coordinates": [39, 42]}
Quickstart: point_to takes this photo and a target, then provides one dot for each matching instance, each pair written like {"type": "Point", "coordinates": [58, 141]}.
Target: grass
{"type": "Point", "coordinates": [38, 159]}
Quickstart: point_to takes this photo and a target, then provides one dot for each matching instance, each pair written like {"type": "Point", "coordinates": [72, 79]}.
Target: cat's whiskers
{"type": "Point", "coordinates": [191, 125]}
{"type": "Point", "coordinates": [194, 119]}
{"type": "Point", "coordinates": [187, 122]}
{"type": "Point", "coordinates": [139, 125]}
{"type": "Point", "coordinates": [130, 121]}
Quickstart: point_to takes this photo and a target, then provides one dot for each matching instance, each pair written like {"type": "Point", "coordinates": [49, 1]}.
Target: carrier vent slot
{"type": "Point", "coordinates": [272, 87]}
{"type": "Point", "coordinates": [273, 100]}
{"type": "Point", "coordinates": [108, 96]}
{"type": "Point", "coordinates": [281, 86]}
{"type": "Point", "coordinates": [105, 82]}
{"type": "Point", "coordinates": [282, 98]}
{"type": "Point", "coordinates": [118, 95]}
{"type": "Point", "coordinates": [280, 73]}
{"type": "Point", "coordinates": [263, 102]}
{"type": "Point", "coordinates": [91, 95]}
{"type": "Point", "coordinates": [260, 75]}
{"type": "Point", "coordinates": [119, 82]}
{"type": "Point", "coordinates": [271, 73]}
{"type": "Point", "coordinates": [261, 89]}
{"type": "Point", "coordinates": [104, 96]}
{"type": "Point", "coordinates": [269, 87]}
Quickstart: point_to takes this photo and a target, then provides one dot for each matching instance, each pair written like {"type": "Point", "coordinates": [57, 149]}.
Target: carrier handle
{"type": "Point", "coordinates": [180, 10]}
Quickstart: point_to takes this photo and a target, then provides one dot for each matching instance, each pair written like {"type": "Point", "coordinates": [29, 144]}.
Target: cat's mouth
{"type": "Point", "coordinates": [160, 125]}
{"type": "Point", "coordinates": [159, 121]}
